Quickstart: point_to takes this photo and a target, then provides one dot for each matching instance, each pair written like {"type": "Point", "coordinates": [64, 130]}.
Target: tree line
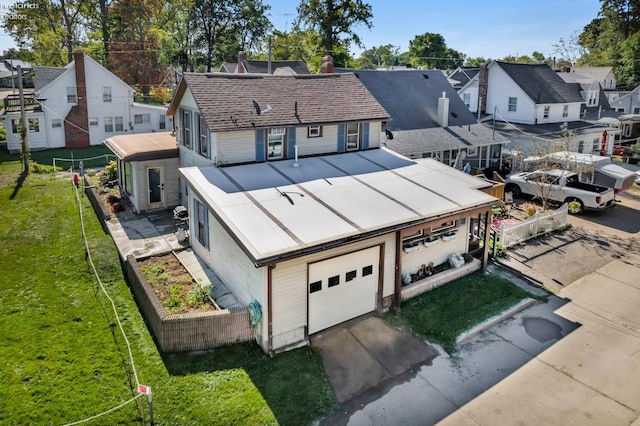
{"type": "Point", "coordinates": [139, 40]}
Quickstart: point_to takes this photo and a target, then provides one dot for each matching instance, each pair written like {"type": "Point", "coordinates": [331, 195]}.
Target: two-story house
{"type": "Point", "coordinates": [295, 205]}
{"type": "Point", "coordinates": [81, 105]}
{"type": "Point", "coordinates": [529, 94]}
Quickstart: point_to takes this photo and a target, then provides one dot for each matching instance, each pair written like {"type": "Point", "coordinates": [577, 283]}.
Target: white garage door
{"type": "Point", "coordinates": [342, 288]}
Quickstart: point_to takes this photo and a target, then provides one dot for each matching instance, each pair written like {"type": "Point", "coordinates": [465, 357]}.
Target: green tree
{"type": "Point", "coordinates": [381, 56]}
{"type": "Point", "coordinates": [429, 50]}
{"type": "Point", "coordinates": [335, 21]}
{"type": "Point", "coordinates": [475, 62]}
{"type": "Point", "coordinates": [48, 28]}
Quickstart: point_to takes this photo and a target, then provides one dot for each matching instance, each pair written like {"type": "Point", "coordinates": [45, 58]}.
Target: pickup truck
{"type": "Point", "coordinates": [560, 186]}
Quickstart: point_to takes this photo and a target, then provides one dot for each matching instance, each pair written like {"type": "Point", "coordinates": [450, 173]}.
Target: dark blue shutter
{"type": "Point", "coordinates": [365, 136]}
{"type": "Point", "coordinates": [260, 149]}
{"type": "Point", "coordinates": [342, 130]}
{"type": "Point", "coordinates": [291, 142]}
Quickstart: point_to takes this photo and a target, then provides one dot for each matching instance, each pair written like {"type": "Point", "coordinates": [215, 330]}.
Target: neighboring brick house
{"type": "Point", "coordinates": [297, 208]}
{"type": "Point", "coordinates": [81, 105]}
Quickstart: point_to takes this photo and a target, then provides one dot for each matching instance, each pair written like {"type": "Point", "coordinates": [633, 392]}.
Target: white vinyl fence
{"type": "Point", "coordinates": [534, 226]}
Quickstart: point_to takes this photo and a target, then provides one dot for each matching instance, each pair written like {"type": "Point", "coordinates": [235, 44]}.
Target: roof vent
{"type": "Point", "coordinates": [426, 76]}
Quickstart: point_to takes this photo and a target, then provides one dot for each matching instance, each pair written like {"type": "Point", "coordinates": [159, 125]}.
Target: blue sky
{"type": "Point", "coordinates": [488, 28]}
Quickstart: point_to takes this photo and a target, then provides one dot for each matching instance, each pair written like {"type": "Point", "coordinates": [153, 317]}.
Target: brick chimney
{"type": "Point", "coordinates": [327, 65]}
{"type": "Point", "coordinates": [240, 67]}
{"type": "Point", "coordinates": [483, 84]}
{"type": "Point", "coordinates": [76, 123]}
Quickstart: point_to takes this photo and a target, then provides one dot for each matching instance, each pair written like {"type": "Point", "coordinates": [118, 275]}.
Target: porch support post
{"type": "Point", "coordinates": [397, 293]}
{"type": "Point", "coordinates": [487, 237]}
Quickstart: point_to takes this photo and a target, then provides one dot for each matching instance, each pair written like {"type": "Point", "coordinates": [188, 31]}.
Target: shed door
{"type": "Point", "coordinates": [342, 288]}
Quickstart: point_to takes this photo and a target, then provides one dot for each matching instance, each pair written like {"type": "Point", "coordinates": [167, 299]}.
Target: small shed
{"type": "Point", "coordinates": [147, 169]}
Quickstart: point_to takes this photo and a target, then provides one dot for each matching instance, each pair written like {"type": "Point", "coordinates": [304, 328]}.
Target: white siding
{"type": "Point", "coordinates": [230, 263]}
{"type": "Point", "coordinates": [289, 292]}
{"type": "Point", "coordinates": [500, 88]}
{"type": "Point", "coordinates": [472, 90]}
{"type": "Point", "coordinates": [121, 105]}
{"type": "Point", "coordinates": [556, 112]}
{"type": "Point", "coordinates": [437, 254]}
{"type": "Point", "coordinates": [236, 147]}
{"type": "Point", "coordinates": [170, 195]}
{"type": "Point", "coordinates": [327, 143]}
{"type": "Point", "coordinates": [37, 140]}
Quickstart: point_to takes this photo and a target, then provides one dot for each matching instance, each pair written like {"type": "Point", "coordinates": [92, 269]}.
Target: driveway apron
{"type": "Point", "coordinates": [367, 352]}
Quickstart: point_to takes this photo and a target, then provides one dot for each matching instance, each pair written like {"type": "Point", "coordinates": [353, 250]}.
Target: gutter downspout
{"type": "Point", "coordinates": [487, 237]}
{"type": "Point", "coordinates": [269, 312]}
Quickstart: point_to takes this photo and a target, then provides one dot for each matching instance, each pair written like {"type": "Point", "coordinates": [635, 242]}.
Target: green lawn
{"type": "Point", "coordinates": [443, 314]}
{"type": "Point", "coordinates": [63, 357]}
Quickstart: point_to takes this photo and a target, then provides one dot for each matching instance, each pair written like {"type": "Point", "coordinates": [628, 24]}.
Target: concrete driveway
{"type": "Point", "coordinates": [429, 384]}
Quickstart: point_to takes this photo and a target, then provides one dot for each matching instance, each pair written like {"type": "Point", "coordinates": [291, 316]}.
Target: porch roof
{"type": "Point", "coordinates": [143, 146]}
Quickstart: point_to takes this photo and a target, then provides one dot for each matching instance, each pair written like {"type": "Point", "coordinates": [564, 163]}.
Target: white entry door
{"type": "Point", "coordinates": [342, 288]}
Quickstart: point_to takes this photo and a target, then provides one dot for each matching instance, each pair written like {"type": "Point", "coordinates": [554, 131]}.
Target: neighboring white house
{"type": "Point", "coordinates": [83, 105]}
{"type": "Point", "coordinates": [294, 205]}
{"type": "Point", "coordinates": [530, 94]}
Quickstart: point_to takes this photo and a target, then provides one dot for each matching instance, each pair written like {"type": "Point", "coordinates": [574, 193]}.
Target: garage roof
{"type": "Point", "coordinates": [143, 146]}
{"type": "Point", "coordinates": [276, 211]}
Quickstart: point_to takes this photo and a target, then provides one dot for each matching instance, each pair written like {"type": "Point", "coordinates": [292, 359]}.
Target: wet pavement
{"type": "Point", "coordinates": [429, 391]}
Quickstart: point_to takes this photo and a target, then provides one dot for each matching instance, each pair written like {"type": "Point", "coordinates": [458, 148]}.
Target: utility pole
{"type": "Point", "coordinates": [24, 148]}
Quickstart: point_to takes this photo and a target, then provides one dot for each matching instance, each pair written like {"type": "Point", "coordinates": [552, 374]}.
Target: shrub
{"type": "Point", "coordinates": [467, 258]}
{"type": "Point", "coordinates": [109, 175]}
{"type": "Point", "coordinates": [199, 295]}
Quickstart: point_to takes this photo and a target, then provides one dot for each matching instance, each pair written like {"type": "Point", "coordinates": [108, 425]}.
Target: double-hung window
{"type": "Point", "coordinates": [108, 124]}
{"type": "Point", "coordinates": [513, 104]}
{"type": "Point", "coordinates": [565, 110]}
{"type": "Point", "coordinates": [203, 147]}
{"type": "Point", "coordinates": [106, 94]}
{"type": "Point", "coordinates": [72, 96]}
{"type": "Point", "coordinates": [353, 136]}
{"type": "Point", "coordinates": [162, 122]}
{"type": "Point", "coordinates": [546, 111]}
{"type": "Point", "coordinates": [186, 128]}
{"type": "Point", "coordinates": [119, 124]}
{"type": "Point", "coordinates": [466, 98]}
{"type": "Point", "coordinates": [202, 223]}
{"type": "Point", "coordinates": [275, 144]}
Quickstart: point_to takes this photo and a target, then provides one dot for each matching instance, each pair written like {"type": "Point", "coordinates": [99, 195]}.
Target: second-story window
{"type": "Point", "coordinates": [203, 147]}
{"type": "Point", "coordinates": [353, 136]}
{"type": "Point", "coordinates": [186, 128]}
{"type": "Point", "coordinates": [466, 98]}
{"type": "Point", "coordinates": [565, 111]}
{"type": "Point", "coordinates": [314, 131]}
{"type": "Point", "coordinates": [275, 144]}
{"type": "Point", "coordinates": [72, 96]}
{"type": "Point", "coordinates": [106, 94]}
{"type": "Point", "coordinates": [546, 112]}
{"type": "Point", "coordinates": [513, 104]}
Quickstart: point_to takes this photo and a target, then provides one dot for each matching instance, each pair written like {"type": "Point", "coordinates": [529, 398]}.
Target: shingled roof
{"type": "Point", "coordinates": [226, 100]}
{"type": "Point", "coordinates": [45, 75]}
{"type": "Point", "coordinates": [411, 97]}
{"type": "Point", "coordinates": [541, 83]}
{"type": "Point", "coordinates": [253, 66]}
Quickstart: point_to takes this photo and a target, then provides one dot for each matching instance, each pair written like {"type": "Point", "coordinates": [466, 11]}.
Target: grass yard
{"type": "Point", "coordinates": [441, 315]}
{"type": "Point", "coordinates": [63, 357]}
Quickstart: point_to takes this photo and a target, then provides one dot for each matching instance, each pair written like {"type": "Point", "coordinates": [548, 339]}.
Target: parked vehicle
{"type": "Point", "coordinates": [594, 169]}
{"type": "Point", "coordinates": [560, 186]}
